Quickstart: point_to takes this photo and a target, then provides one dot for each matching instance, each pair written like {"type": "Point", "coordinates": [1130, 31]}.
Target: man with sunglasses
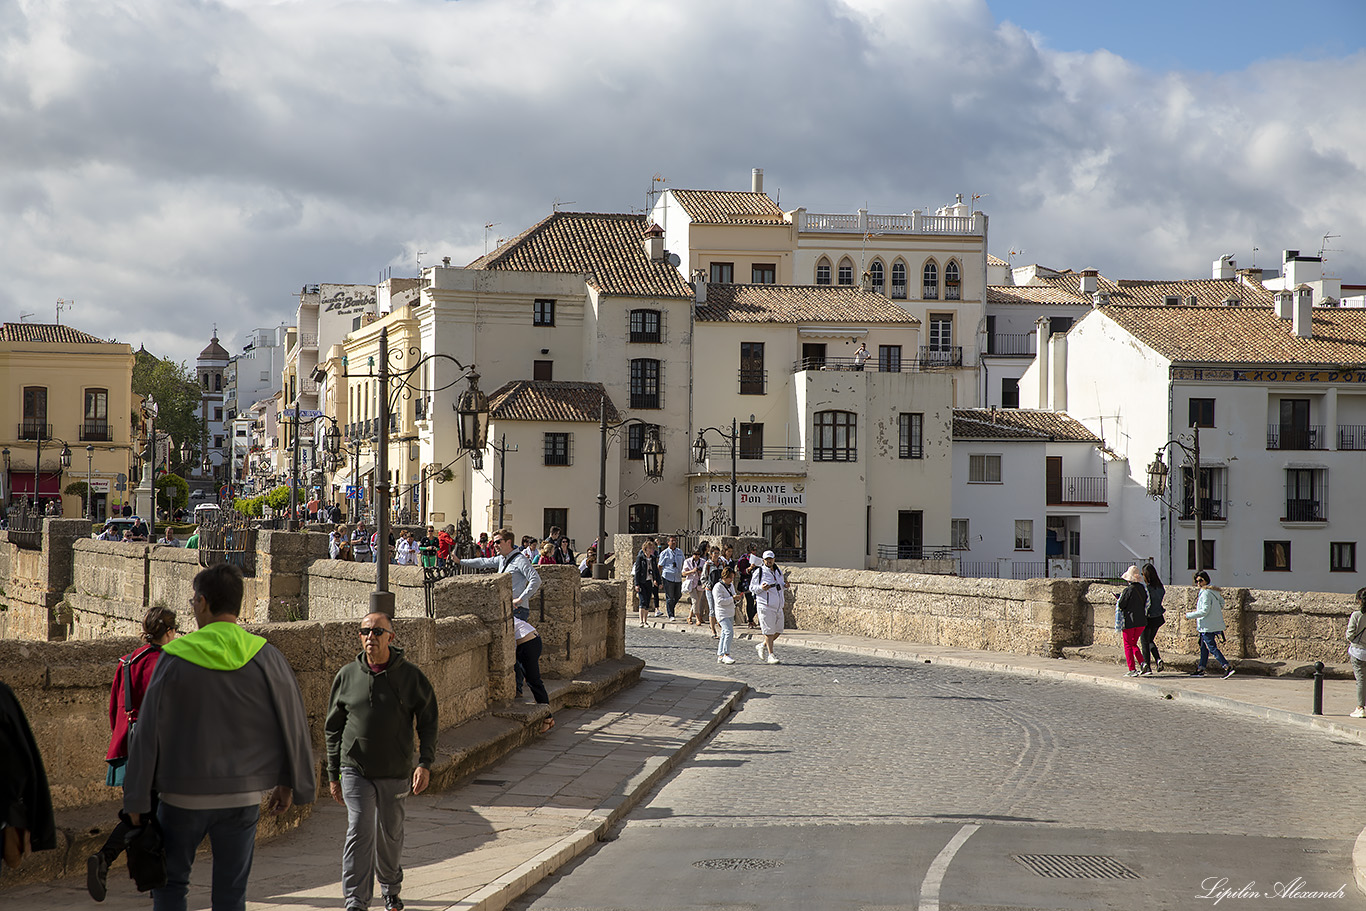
{"type": "Point", "coordinates": [525, 580]}
{"type": "Point", "coordinates": [377, 700]}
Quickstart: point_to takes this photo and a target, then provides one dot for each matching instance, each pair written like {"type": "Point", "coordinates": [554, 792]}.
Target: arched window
{"type": "Point", "coordinates": [218, 382]}
{"type": "Point", "coordinates": [953, 289]}
{"type": "Point", "coordinates": [823, 271]}
{"type": "Point", "coordinates": [836, 436]}
{"type": "Point", "coordinates": [875, 274]}
{"type": "Point", "coordinates": [846, 273]}
{"type": "Point", "coordinates": [206, 380]}
{"type": "Point", "coordinates": [931, 281]}
{"type": "Point", "coordinates": [785, 531]}
{"type": "Point", "coordinates": [899, 280]}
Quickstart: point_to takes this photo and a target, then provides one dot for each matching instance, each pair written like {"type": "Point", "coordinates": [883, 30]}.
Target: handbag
{"type": "Point", "coordinates": [1119, 616]}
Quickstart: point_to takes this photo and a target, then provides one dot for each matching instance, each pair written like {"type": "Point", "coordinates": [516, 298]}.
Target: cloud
{"type": "Point", "coordinates": [172, 165]}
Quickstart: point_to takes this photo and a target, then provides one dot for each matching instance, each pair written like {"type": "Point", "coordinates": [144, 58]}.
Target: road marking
{"type": "Point", "coordinates": [934, 876]}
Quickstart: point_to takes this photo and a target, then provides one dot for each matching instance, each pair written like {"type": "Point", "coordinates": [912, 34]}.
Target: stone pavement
{"type": "Point", "coordinates": [484, 842]}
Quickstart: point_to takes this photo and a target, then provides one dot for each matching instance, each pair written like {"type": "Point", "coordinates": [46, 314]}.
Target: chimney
{"type": "Point", "coordinates": [1284, 304]}
{"type": "Point", "coordinates": [1089, 279]}
{"type": "Point", "coordinates": [1041, 360]}
{"type": "Point", "coordinates": [1225, 267]}
{"type": "Point", "coordinates": [654, 242]}
{"type": "Point", "coordinates": [1303, 321]}
{"type": "Point", "coordinates": [446, 261]}
{"type": "Point", "coordinates": [699, 283]}
{"type": "Point", "coordinates": [756, 180]}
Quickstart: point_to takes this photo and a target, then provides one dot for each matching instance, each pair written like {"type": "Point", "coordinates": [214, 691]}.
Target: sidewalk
{"type": "Point", "coordinates": [483, 843]}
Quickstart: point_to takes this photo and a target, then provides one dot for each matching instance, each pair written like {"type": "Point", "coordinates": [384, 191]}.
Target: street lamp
{"type": "Point", "coordinates": [89, 477]}
{"type": "Point", "coordinates": [1157, 487]}
{"type": "Point", "coordinates": [653, 455]}
{"type": "Point", "coordinates": [699, 451]}
{"type": "Point", "coordinates": [64, 458]}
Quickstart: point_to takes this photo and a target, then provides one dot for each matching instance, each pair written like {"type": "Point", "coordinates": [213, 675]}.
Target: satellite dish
{"type": "Point", "coordinates": [674, 260]}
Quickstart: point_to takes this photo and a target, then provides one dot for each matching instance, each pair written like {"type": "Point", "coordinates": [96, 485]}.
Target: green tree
{"type": "Point", "coordinates": [177, 395]}
{"type": "Point", "coordinates": [172, 492]}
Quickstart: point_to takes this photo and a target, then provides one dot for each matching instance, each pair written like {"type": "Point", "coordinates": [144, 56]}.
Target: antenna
{"type": "Point", "coordinates": [653, 194]}
{"type": "Point", "coordinates": [420, 254]}
{"type": "Point", "coordinates": [555, 206]}
{"type": "Point", "coordinates": [1254, 257]}
{"type": "Point", "coordinates": [63, 305]}
{"type": "Point", "coordinates": [24, 316]}
{"type": "Point", "coordinates": [976, 196]}
{"type": "Point", "coordinates": [1324, 248]}
{"type": "Point", "coordinates": [488, 227]}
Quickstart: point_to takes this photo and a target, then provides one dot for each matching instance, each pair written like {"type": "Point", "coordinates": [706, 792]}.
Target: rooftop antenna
{"type": "Point", "coordinates": [976, 196]}
{"type": "Point", "coordinates": [1010, 257]}
{"type": "Point", "coordinates": [420, 254]}
{"type": "Point", "coordinates": [63, 305]}
{"type": "Point", "coordinates": [1254, 257]}
{"type": "Point", "coordinates": [24, 316]}
{"type": "Point", "coordinates": [653, 194]}
{"type": "Point", "coordinates": [488, 227]}
{"type": "Point", "coordinates": [555, 206]}
{"type": "Point", "coordinates": [1324, 248]}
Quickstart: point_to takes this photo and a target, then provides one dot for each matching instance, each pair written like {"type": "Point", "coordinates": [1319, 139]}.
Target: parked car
{"type": "Point", "coordinates": [199, 494]}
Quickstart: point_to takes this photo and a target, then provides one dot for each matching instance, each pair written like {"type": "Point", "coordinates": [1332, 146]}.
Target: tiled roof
{"type": "Point", "coordinates": [1018, 424]}
{"type": "Point", "coordinates": [996, 261]}
{"type": "Point", "coordinates": [1209, 292]}
{"type": "Point", "coordinates": [729, 207]}
{"type": "Point", "coordinates": [607, 247]}
{"type": "Point", "coordinates": [544, 400]}
{"type": "Point", "coordinates": [1033, 294]}
{"type": "Point", "coordinates": [47, 332]}
{"type": "Point", "coordinates": [799, 304]}
{"type": "Point", "coordinates": [1245, 335]}
{"type": "Point", "coordinates": [214, 352]}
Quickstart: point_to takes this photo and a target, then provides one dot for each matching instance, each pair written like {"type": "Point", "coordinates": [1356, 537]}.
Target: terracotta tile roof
{"type": "Point", "coordinates": [1018, 424]}
{"type": "Point", "coordinates": [1034, 294]}
{"type": "Point", "coordinates": [799, 304]}
{"type": "Point", "coordinates": [214, 352]}
{"type": "Point", "coordinates": [47, 332]}
{"type": "Point", "coordinates": [729, 207]}
{"type": "Point", "coordinates": [606, 247]}
{"type": "Point", "coordinates": [544, 400]}
{"type": "Point", "coordinates": [1245, 335]}
{"type": "Point", "coordinates": [1209, 292]}
{"type": "Point", "coordinates": [996, 261]}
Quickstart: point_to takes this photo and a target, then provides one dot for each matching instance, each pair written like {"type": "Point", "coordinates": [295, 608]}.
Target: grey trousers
{"type": "Point", "coordinates": [375, 811]}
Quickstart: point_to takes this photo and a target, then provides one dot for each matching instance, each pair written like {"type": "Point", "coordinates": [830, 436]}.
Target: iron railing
{"type": "Point", "coordinates": [1285, 436]}
{"type": "Point", "coordinates": [26, 526]}
{"type": "Point", "coordinates": [1352, 436]}
{"type": "Point", "coordinates": [228, 536]}
{"type": "Point", "coordinates": [1011, 344]}
{"type": "Point", "coordinates": [34, 430]}
{"type": "Point", "coordinates": [96, 431]}
{"type": "Point", "coordinates": [1304, 511]}
{"type": "Point", "coordinates": [753, 382]}
{"type": "Point", "coordinates": [1210, 510]}
{"type": "Point", "coordinates": [940, 357]}
{"type": "Point", "coordinates": [1076, 491]}
{"type": "Point", "coordinates": [909, 551]}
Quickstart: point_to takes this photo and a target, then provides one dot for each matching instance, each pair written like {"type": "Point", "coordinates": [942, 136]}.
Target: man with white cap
{"type": "Point", "coordinates": [767, 584]}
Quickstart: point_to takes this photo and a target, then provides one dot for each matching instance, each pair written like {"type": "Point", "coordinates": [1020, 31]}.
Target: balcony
{"type": "Point", "coordinates": [1011, 344]}
{"type": "Point", "coordinates": [1304, 511]}
{"type": "Point", "coordinates": [864, 222]}
{"type": "Point", "coordinates": [720, 453]}
{"type": "Point", "coordinates": [753, 382]}
{"type": "Point", "coordinates": [34, 430]}
{"type": "Point", "coordinates": [888, 365]}
{"type": "Point", "coordinates": [1352, 436]}
{"type": "Point", "coordinates": [931, 357]}
{"type": "Point", "coordinates": [1078, 491]}
{"type": "Point", "coordinates": [1210, 511]}
{"type": "Point", "coordinates": [96, 431]}
{"type": "Point", "coordinates": [1287, 437]}
{"type": "Point", "coordinates": [644, 399]}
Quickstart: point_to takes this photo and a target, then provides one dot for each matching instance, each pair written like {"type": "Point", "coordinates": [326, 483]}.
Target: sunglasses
{"type": "Point", "coordinates": [373, 631]}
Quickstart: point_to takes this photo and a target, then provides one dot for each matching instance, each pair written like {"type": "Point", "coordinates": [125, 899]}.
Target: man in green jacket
{"type": "Point", "coordinates": [376, 702]}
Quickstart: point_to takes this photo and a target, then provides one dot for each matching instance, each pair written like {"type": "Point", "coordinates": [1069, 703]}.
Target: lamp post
{"type": "Point", "coordinates": [64, 459]}
{"type": "Point", "coordinates": [503, 449]}
{"type": "Point", "coordinates": [653, 453]}
{"type": "Point", "coordinates": [1157, 486]}
{"type": "Point", "coordinates": [89, 477]}
{"type": "Point", "coordinates": [5, 454]}
{"type": "Point", "coordinates": [699, 451]}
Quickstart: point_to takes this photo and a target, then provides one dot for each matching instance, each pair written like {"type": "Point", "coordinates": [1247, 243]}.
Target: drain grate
{"type": "Point", "coordinates": [1075, 866]}
{"type": "Point", "coordinates": [738, 863]}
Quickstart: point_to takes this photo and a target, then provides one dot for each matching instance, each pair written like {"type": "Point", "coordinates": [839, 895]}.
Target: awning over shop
{"type": "Point", "coordinates": [21, 484]}
{"type": "Point", "coordinates": [366, 468]}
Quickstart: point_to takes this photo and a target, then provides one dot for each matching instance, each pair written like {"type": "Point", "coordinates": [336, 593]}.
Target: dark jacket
{"type": "Point", "coordinates": [646, 572]}
{"type": "Point", "coordinates": [1133, 605]}
{"type": "Point", "coordinates": [1155, 594]}
{"type": "Point", "coordinates": [25, 801]}
{"type": "Point", "coordinates": [370, 719]}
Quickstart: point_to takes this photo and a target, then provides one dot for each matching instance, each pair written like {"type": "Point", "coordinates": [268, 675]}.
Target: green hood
{"type": "Point", "coordinates": [220, 646]}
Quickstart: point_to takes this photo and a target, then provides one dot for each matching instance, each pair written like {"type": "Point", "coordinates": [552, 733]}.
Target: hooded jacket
{"type": "Point", "coordinates": [370, 719]}
{"type": "Point", "coordinates": [222, 715]}
{"type": "Point", "coordinates": [1209, 611]}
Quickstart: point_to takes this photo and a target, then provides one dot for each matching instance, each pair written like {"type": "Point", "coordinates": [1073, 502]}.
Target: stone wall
{"type": "Point", "coordinates": [36, 580]}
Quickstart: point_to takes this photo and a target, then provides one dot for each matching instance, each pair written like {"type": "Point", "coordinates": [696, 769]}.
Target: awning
{"type": "Point", "coordinates": [49, 483]}
{"type": "Point", "coordinates": [365, 468]}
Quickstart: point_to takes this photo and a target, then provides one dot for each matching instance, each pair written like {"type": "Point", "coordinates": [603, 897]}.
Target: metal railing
{"type": "Point", "coordinates": [228, 536]}
{"type": "Point", "coordinates": [1076, 491]}
{"type": "Point", "coordinates": [1285, 436]}
{"type": "Point", "coordinates": [1011, 344]}
{"type": "Point", "coordinates": [721, 453]}
{"type": "Point", "coordinates": [753, 382]}
{"type": "Point", "coordinates": [34, 430]}
{"type": "Point", "coordinates": [979, 569]}
{"type": "Point", "coordinates": [1304, 511]}
{"type": "Point", "coordinates": [915, 551]}
{"type": "Point", "coordinates": [96, 431]}
{"type": "Point", "coordinates": [1210, 510]}
{"type": "Point", "coordinates": [1032, 569]}
{"type": "Point", "coordinates": [790, 554]}
{"type": "Point", "coordinates": [1352, 436]}
{"type": "Point", "coordinates": [26, 526]}
{"type": "Point", "coordinates": [872, 365]}
{"type": "Point", "coordinates": [940, 357]}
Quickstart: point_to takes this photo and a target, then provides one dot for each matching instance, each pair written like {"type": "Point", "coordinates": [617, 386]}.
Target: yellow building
{"type": "Point", "coordinates": [65, 388]}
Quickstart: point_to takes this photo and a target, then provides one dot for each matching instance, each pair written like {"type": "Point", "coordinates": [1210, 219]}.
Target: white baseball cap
{"type": "Point", "coordinates": [770, 555]}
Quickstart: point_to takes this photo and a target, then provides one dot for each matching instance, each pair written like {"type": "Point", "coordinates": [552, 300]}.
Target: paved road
{"type": "Point", "coordinates": [858, 783]}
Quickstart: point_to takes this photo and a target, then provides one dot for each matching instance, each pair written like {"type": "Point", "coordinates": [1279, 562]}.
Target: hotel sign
{"type": "Point", "coordinates": [765, 494]}
{"type": "Point", "coordinates": [1238, 375]}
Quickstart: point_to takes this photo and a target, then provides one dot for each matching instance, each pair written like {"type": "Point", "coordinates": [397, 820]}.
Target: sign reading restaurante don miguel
{"type": "Point", "coordinates": [717, 493]}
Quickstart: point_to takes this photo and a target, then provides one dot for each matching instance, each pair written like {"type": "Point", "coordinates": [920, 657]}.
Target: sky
{"type": "Point", "coordinates": [169, 167]}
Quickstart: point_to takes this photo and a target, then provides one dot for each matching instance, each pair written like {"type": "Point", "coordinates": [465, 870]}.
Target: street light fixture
{"type": "Point", "coordinates": [64, 458]}
{"type": "Point", "coordinates": [653, 455]}
{"type": "Point", "coordinates": [1157, 487]}
{"type": "Point", "coordinates": [699, 451]}
{"type": "Point", "coordinates": [89, 477]}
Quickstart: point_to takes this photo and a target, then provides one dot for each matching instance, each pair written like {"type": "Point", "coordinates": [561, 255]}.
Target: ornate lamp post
{"type": "Point", "coordinates": [1157, 487]}
{"type": "Point", "coordinates": [89, 477]}
{"type": "Point", "coordinates": [699, 452]}
{"type": "Point", "coordinates": [5, 454]}
{"type": "Point", "coordinates": [652, 453]}
{"type": "Point", "coordinates": [64, 458]}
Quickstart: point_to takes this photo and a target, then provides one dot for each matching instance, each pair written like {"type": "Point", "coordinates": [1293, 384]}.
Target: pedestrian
{"type": "Point", "coordinates": [1131, 613]}
{"type": "Point", "coordinates": [525, 580]}
{"type": "Point", "coordinates": [139, 529]}
{"type": "Point", "coordinates": [564, 552]}
{"type": "Point", "coordinates": [360, 543]}
{"type": "Point", "coordinates": [377, 701]}
{"type": "Point", "coordinates": [192, 542]}
{"type": "Point", "coordinates": [590, 557]}
{"type": "Point", "coordinates": [1155, 618]}
{"type": "Point", "coordinates": [445, 544]}
{"type": "Point", "coordinates": [484, 545]}
{"type": "Point", "coordinates": [1209, 623]}
{"type": "Point", "coordinates": [746, 567]}
{"type": "Point", "coordinates": [645, 578]}
{"type": "Point", "coordinates": [711, 573]}
{"type": "Point", "coordinates": [700, 613]}
{"type": "Point", "coordinates": [168, 539]}
{"type": "Point", "coordinates": [26, 820]}
{"type": "Point", "coordinates": [671, 572]}
{"type": "Point", "coordinates": [529, 647]}
{"type": "Point", "coordinates": [131, 677]}
{"type": "Point", "coordinates": [404, 554]}
{"type": "Point", "coordinates": [335, 542]}
{"type": "Point", "coordinates": [723, 600]}
{"type": "Point", "coordinates": [1356, 650]}
{"type": "Point", "coordinates": [426, 548]}
{"type": "Point", "coordinates": [547, 556]}
{"type": "Point", "coordinates": [861, 356]}
{"type": "Point", "coordinates": [334, 514]}
{"type": "Point", "coordinates": [209, 776]}
{"type": "Point", "coordinates": [767, 584]}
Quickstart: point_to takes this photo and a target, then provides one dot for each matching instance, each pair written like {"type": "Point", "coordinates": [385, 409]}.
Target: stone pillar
{"type": "Point", "coordinates": [282, 559]}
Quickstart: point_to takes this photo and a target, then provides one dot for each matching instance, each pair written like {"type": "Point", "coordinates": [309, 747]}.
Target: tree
{"type": "Point", "coordinates": [177, 395]}
{"type": "Point", "coordinates": [172, 492]}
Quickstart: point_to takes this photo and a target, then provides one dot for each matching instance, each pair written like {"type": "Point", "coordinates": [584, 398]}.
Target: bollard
{"type": "Point", "coordinates": [1318, 687]}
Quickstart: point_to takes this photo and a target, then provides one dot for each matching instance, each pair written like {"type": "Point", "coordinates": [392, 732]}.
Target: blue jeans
{"type": "Point", "coordinates": [727, 634]}
{"type": "Point", "coordinates": [1210, 645]}
{"type": "Point", "coordinates": [232, 836]}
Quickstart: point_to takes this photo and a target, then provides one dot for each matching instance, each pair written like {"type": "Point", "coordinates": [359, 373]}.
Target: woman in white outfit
{"type": "Point", "coordinates": [723, 613]}
{"type": "Point", "coordinates": [767, 584]}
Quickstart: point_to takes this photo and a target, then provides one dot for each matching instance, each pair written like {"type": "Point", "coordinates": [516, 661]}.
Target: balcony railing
{"type": "Point", "coordinates": [940, 357]}
{"type": "Point", "coordinates": [1352, 436]}
{"type": "Point", "coordinates": [753, 382]}
{"type": "Point", "coordinates": [888, 365]}
{"type": "Point", "coordinates": [1076, 491]}
{"type": "Point", "coordinates": [721, 453]}
{"type": "Point", "coordinates": [914, 223]}
{"type": "Point", "coordinates": [1011, 344]}
{"type": "Point", "coordinates": [1285, 436]}
{"type": "Point", "coordinates": [644, 399]}
{"type": "Point", "coordinates": [96, 431]}
{"type": "Point", "coordinates": [35, 430]}
{"type": "Point", "coordinates": [909, 551]}
{"type": "Point", "coordinates": [1304, 511]}
{"type": "Point", "coordinates": [1210, 511]}
{"type": "Point", "coordinates": [790, 554]}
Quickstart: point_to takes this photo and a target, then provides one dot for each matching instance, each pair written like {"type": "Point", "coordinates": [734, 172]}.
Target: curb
{"type": "Point", "coordinates": [511, 885]}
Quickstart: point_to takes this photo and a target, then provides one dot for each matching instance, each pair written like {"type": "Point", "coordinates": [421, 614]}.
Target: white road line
{"type": "Point", "coordinates": [934, 876]}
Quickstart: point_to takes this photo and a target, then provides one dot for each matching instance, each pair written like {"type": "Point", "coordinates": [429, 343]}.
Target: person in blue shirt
{"type": "Point", "coordinates": [671, 569]}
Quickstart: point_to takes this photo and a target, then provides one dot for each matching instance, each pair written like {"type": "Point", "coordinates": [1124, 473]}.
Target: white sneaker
{"type": "Point", "coordinates": [726, 659]}
{"type": "Point", "coordinates": [772, 659]}
{"type": "Point", "coordinates": [759, 647]}
{"type": "Point", "coordinates": [1358, 713]}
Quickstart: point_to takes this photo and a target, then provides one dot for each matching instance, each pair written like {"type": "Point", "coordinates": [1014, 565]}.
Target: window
{"type": "Point", "coordinates": [931, 281]}
{"type": "Point", "coordinates": [218, 414]}
{"type": "Point", "coordinates": [636, 435]}
{"type": "Point", "coordinates": [846, 273]}
{"type": "Point", "coordinates": [723, 273]}
{"type": "Point", "coordinates": [899, 280]}
{"type": "Point", "coordinates": [1190, 554]}
{"type": "Point", "coordinates": [1058, 325]}
{"type": "Point", "coordinates": [984, 469]}
{"type": "Point", "coordinates": [953, 289]}
{"type": "Point", "coordinates": [1342, 557]}
{"type": "Point", "coordinates": [95, 426]}
{"type": "Point", "coordinates": [823, 271]}
{"type": "Point", "coordinates": [912, 428]}
{"type": "Point", "coordinates": [1212, 484]}
{"type": "Point", "coordinates": [751, 368]}
{"type": "Point", "coordinates": [1304, 499]}
{"type": "Point", "coordinates": [751, 441]}
{"type": "Point", "coordinates": [35, 414]}
{"type": "Point", "coordinates": [1201, 413]}
{"type": "Point", "coordinates": [889, 358]}
{"type": "Point", "coordinates": [543, 312]}
{"type": "Point", "coordinates": [218, 382]}
{"type": "Point", "coordinates": [958, 532]}
{"type": "Point", "coordinates": [763, 274]}
{"type": "Point", "coordinates": [645, 326]}
{"type": "Point", "coordinates": [543, 370]}
{"type": "Point", "coordinates": [1010, 392]}
{"type": "Point", "coordinates": [557, 449]}
{"type": "Point", "coordinates": [875, 276]}
{"type": "Point", "coordinates": [645, 383]}
{"type": "Point", "coordinates": [1276, 556]}
{"type": "Point", "coordinates": [554, 518]}
{"type": "Point", "coordinates": [642, 519]}
{"type": "Point", "coordinates": [218, 441]}
{"type": "Point", "coordinates": [1294, 429]}
{"type": "Point", "coordinates": [1024, 534]}
{"type": "Point", "coordinates": [941, 331]}
{"type": "Point", "coordinates": [206, 380]}
{"type": "Point", "coordinates": [785, 530]}
{"type": "Point", "coordinates": [836, 433]}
